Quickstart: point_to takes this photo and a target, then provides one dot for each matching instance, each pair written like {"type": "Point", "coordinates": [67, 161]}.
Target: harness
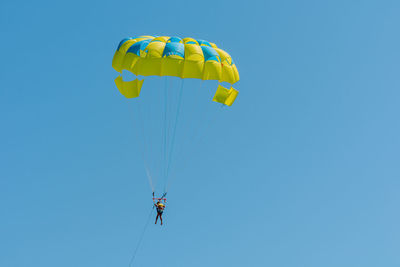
{"type": "Point", "coordinates": [160, 206]}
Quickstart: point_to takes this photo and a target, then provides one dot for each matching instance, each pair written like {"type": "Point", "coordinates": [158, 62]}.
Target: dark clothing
{"type": "Point", "coordinates": [159, 211]}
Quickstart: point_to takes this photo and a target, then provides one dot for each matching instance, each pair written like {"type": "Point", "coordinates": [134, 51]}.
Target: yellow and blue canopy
{"type": "Point", "coordinates": [174, 56]}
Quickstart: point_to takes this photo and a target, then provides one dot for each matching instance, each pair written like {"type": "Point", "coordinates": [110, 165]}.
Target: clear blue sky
{"type": "Point", "coordinates": [302, 171]}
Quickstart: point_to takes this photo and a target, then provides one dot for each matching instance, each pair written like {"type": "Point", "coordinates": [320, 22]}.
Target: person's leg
{"type": "Point", "coordinates": [157, 218]}
{"type": "Point", "coordinates": [161, 218]}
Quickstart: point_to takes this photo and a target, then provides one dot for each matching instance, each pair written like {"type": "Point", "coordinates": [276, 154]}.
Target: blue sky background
{"type": "Point", "coordinates": [302, 171]}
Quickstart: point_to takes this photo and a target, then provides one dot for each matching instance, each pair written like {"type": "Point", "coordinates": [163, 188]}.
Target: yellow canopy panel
{"type": "Point", "coordinates": [129, 89]}
{"type": "Point", "coordinates": [225, 96]}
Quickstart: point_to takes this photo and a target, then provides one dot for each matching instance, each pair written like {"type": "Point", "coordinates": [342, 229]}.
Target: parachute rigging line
{"type": "Point", "coordinates": [144, 148]}
{"type": "Point", "coordinates": [198, 137]}
{"type": "Point", "coordinates": [171, 110]}
{"type": "Point", "coordinates": [140, 239]}
{"type": "Point", "coordinates": [173, 135]}
{"type": "Point", "coordinates": [164, 167]}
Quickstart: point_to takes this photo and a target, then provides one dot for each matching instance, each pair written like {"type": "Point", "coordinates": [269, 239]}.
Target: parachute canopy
{"type": "Point", "coordinates": [174, 56]}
